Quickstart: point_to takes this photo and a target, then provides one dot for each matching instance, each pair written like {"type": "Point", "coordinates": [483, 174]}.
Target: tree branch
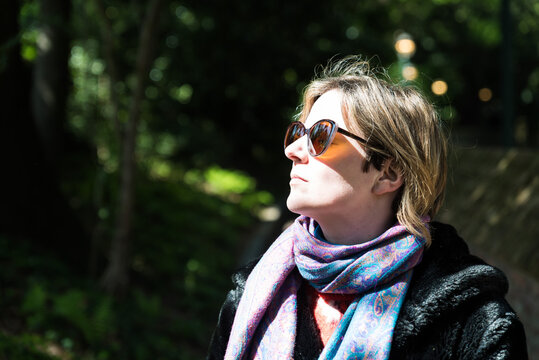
{"type": "Point", "coordinates": [116, 276]}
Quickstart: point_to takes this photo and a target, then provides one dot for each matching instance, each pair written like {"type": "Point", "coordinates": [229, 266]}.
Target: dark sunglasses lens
{"type": "Point", "coordinates": [320, 136]}
{"type": "Point", "coordinates": [294, 132]}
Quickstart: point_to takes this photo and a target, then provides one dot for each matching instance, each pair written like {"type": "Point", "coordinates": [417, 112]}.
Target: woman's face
{"type": "Point", "coordinates": [334, 184]}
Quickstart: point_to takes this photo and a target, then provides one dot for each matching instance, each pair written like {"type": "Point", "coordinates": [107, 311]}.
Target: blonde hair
{"type": "Point", "coordinates": [400, 125]}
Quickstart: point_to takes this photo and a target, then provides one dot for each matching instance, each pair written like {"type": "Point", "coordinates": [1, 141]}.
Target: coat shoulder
{"type": "Point", "coordinates": [455, 306]}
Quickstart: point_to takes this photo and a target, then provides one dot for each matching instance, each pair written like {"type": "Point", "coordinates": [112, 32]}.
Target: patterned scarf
{"type": "Point", "coordinates": [379, 271]}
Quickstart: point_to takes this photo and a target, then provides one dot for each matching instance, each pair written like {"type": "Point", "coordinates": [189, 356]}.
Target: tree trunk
{"type": "Point", "coordinates": [110, 47]}
{"type": "Point", "coordinates": [51, 76]}
{"type": "Point", "coordinates": [116, 277]}
{"type": "Point", "coordinates": [32, 207]}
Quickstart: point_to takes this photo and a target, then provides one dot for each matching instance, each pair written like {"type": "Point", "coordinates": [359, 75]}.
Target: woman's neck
{"type": "Point", "coordinates": [349, 230]}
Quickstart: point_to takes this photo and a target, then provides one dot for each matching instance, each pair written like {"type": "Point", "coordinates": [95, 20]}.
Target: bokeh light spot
{"type": "Point", "coordinates": [439, 87]}
{"type": "Point", "coordinates": [352, 33]}
{"type": "Point", "coordinates": [485, 94]}
{"type": "Point", "coordinates": [410, 72]}
{"type": "Point", "coordinates": [405, 47]}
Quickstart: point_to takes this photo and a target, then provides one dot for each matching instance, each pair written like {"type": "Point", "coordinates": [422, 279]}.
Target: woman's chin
{"type": "Point", "coordinates": [299, 207]}
{"type": "Point", "coordinates": [294, 205]}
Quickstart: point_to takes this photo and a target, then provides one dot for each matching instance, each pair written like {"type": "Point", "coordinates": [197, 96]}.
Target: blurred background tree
{"type": "Point", "coordinates": [142, 144]}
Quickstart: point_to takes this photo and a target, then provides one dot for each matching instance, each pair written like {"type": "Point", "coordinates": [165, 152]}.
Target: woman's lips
{"type": "Point", "coordinates": [296, 178]}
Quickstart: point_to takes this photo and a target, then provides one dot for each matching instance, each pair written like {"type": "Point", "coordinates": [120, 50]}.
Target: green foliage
{"type": "Point", "coordinates": [28, 18]}
{"type": "Point", "coordinates": [182, 94]}
{"type": "Point", "coordinates": [95, 322]}
{"type": "Point", "coordinates": [35, 305]}
{"type": "Point", "coordinates": [25, 347]}
{"type": "Point", "coordinates": [185, 236]}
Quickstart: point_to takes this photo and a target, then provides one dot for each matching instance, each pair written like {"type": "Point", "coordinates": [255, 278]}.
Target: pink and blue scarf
{"type": "Point", "coordinates": [378, 271]}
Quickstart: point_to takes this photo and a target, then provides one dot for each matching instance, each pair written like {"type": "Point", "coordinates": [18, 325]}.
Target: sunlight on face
{"type": "Point", "coordinates": [333, 183]}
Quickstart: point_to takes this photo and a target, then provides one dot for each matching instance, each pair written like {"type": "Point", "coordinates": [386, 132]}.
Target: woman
{"type": "Point", "coordinates": [363, 273]}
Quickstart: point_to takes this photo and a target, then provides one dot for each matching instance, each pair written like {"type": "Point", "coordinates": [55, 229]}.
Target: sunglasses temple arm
{"type": "Point", "coordinates": [361, 140]}
{"type": "Point", "coordinates": [355, 137]}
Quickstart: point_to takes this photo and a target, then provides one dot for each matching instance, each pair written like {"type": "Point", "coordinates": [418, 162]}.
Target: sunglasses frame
{"type": "Point", "coordinates": [334, 130]}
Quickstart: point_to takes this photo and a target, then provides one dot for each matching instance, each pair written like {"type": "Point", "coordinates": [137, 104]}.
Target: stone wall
{"type": "Point", "coordinates": [493, 201]}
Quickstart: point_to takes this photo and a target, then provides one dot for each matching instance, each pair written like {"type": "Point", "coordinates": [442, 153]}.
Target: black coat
{"type": "Point", "coordinates": [455, 308]}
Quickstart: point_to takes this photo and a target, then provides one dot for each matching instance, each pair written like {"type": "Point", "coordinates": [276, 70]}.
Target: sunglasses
{"type": "Point", "coordinates": [320, 135]}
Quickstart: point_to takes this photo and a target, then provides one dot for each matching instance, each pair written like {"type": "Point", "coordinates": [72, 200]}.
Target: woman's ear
{"type": "Point", "coordinates": [390, 179]}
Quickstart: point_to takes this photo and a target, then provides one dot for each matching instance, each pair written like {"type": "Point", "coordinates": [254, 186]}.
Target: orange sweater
{"type": "Point", "coordinates": [328, 309]}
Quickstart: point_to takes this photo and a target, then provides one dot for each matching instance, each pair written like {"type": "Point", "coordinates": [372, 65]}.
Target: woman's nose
{"type": "Point", "coordinates": [297, 151]}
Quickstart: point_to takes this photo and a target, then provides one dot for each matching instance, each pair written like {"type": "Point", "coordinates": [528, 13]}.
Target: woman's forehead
{"type": "Point", "coordinates": [327, 106]}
